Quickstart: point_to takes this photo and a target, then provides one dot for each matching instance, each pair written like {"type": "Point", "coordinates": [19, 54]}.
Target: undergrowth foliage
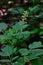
{"type": "Point", "coordinates": [14, 39]}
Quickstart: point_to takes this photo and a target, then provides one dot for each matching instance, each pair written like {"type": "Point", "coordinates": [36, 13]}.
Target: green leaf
{"type": "Point", "coordinates": [36, 52]}
{"type": "Point", "coordinates": [23, 35]}
{"type": "Point", "coordinates": [34, 31]}
{"type": "Point", "coordinates": [41, 27]}
{"type": "Point", "coordinates": [41, 33]}
{"type": "Point", "coordinates": [16, 57]}
{"type": "Point", "coordinates": [5, 38]}
{"type": "Point", "coordinates": [37, 61]}
{"type": "Point", "coordinates": [5, 60]}
{"type": "Point", "coordinates": [33, 54]}
{"type": "Point", "coordinates": [14, 41]}
{"type": "Point", "coordinates": [34, 9]}
{"type": "Point", "coordinates": [29, 57]}
{"type": "Point", "coordinates": [3, 26]}
{"type": "Point", "coordinates": [19, 26]}
{"type": "Point", "coordinates": [23, 52]}
{"type": "Point", "coordinates": [2, 37]}
{"type": "Point", "coordinates": [18, 63]}
{"type": "Point", "coordinates": [41, 37]}
{"type": "Point", "coordinates": [17, 10]}
{"type": "Point", "coordinates": [35, 45]}
{"type": "Point", "coordinates": [15, 49]}
{"type": "Point", "coordinates": [21, 61]}
{"type": "Point", "coordinates": [6, 51]}
{"type": "Point", "coordinates": [26, 59]}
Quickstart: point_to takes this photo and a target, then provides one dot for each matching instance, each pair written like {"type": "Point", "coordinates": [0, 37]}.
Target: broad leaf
{"type": "Point", "coordinates": [19, 26]}
{"type": "Point", "coordinates": [5, 38]}
{"type": "Point", "coordinates": [38, 61]}
{"type": "Point", "coordinates": [6, 51]}
{"type": "Point", "coordinates": [23, 35]}
{"type": "Point", "coordinates": [35, 45]}
{"type": "Point", "coordinates": [34, 31]}
{"type": "Point", "coordinates": [34, 10]}
{"type": "Point", "coordinates": [5, 60]}
{"type": "Point", "coordinates": [28, 58]}
{"type": "Point", "coordinates": [17, 10]}
{"type": "Point", "coordinates": [21, 61]}
{"type": "Point", "coordinates": [3, 26]}
{"type": "Point", "coordinates": [23, 52]}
